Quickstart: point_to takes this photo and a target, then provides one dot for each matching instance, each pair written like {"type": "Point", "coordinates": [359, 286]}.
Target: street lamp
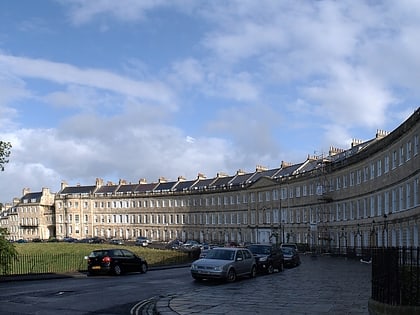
{"type": "Point", "coordinates": [385, 230]}
{"type": "Point", "coordinates": [282, 231]}
{"type": "Point", "coordinates": [372, 233]}
{"type": "Point", "coordinates": [358, 234]}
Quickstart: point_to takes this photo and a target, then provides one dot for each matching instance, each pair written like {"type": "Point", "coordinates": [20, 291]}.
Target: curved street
{"type": "Point", "coordinates": [320, 285]}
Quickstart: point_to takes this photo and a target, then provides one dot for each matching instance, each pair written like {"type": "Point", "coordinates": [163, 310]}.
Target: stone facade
{"type": "Point", "coordinates": [364, 196]}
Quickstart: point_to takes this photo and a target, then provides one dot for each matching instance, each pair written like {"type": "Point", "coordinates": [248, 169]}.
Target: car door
{"type": "Point", "coordinates": [239, 262]}
{"type": "Point", "coordinates": [119, 259]}
{"type": "Point", "coordinates": [130, 261]}
{"type": "Point", "coordinates": [248, 260]}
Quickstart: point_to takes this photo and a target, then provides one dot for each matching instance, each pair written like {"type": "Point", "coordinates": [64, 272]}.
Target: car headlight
{"type": "Point", "coordinates": [194, 267]}
{"type": "Point", "coordinates": [263, 259]}
{"type": "Point", "coordinates": [218, 268]}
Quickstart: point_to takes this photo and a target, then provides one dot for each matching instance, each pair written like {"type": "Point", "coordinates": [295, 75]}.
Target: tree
{"type": "Point", "coordinates": [8, 252]}
{"type": "Point", "coordinates": [4, 153]}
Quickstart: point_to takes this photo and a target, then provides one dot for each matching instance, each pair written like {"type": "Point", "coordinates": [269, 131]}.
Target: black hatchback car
{"type": "Point", "coordinates": [115, 261]}
{"type": "Point", "coordinates": [268, 257]}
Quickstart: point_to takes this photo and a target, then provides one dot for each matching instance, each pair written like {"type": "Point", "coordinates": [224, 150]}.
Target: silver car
{"type": "Point", "coordinates": [225, 263]}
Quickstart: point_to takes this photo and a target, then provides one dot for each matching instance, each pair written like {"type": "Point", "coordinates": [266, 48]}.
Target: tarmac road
{"type": "Point", "coordinates": [320, 285]}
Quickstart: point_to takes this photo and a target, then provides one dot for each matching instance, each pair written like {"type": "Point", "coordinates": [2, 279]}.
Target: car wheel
{"type": "Point", "coordinates": [253, 272]}
{"type": "Point", "coordinates": [117, 270]}
{"type": "Point", "coordinates": [143, 268]}
{"type": "Point", "coordinates": [270, 269]}
{"type": "Point", "coordinates": [231, 276]}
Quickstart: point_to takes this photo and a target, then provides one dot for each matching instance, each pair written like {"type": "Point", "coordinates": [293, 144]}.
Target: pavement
{"type": "Point", "coordinates": [320, 285]}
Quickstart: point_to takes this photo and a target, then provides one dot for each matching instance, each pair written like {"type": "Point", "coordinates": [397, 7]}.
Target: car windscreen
{"type": "Point", "coordinates": [287, 250]}
{"type": "Point", "coordinates": [221, 254]}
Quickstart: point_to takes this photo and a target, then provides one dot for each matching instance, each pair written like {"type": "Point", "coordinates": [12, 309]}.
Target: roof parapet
{"type": "Point", "coordinates": [142, 181]}
{"type": "Point", "coordinates": [201, 176]}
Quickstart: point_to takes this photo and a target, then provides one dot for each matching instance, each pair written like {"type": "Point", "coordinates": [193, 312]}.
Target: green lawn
{"type": "Point", "coordinates": [68, 257]}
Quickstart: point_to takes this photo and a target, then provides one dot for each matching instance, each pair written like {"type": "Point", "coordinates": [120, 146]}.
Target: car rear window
{"type": "Point", "coordinates": [99, 253]}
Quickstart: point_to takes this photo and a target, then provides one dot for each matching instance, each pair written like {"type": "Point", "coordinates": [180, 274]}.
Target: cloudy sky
{"type": "Point", "coordinates": [135, 89]}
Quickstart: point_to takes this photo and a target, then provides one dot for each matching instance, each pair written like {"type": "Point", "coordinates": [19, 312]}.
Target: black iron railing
{"type": "Point", "coordinates": [396, 275]}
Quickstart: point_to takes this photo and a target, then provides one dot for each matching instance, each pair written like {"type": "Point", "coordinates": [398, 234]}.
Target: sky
{"type": "Point", "coordinates": [134, 89]}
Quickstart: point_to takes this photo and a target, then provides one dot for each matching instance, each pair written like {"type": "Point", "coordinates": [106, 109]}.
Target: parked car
{"type": "Point", "coordinates": [267, 257]}
{"type": "Point", "coordinates": [115, 261]}
{"type": "Point", "coordinates": [116, 241]}
{"type": "Point", "coordinates": [225, 264]}
{"type": "Point", "coordinates": [96, 240]}
{"type": "Point", "coordinates": [190, 244]}
{"type": "Point", "coordinates": [174, 244]}
{"type": "Point", "coordinates": [290, 245]}
{"type": "Point", "coordinates": [291, 257]}
{"type": "Point", "coordinates": [69, 240]}
{"type": "Point", "coordinates": [142, 241]}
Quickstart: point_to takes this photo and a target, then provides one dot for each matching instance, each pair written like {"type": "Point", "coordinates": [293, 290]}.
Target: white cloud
{"type": "Point", "coordinates": [351, 97]}
{"type": "Point", "coordinates": [187, 72]}
{"type": "Point", "coordinates": [68, 74]}
{"type": "Point", "coordinates": [127, 10]}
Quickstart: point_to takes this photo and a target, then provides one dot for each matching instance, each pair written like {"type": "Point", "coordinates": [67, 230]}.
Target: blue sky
{"type": "Point", "coordinates": [146, 89]}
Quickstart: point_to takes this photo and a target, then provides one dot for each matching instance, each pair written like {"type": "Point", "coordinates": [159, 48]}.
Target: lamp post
{"type": "Point", "coordinates": [282, 231]}
{"type": "Point", "coordinates": [344, 237]}
{"type": "Point", "coordinates": [356, 239]}
{"type": "Point", "coordinates": [372, 233]}
{"type": "Point", "coordinates": [166, 232]}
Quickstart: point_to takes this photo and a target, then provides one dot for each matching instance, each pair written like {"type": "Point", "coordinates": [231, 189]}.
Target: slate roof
{"type": "Point", "coordinates": [184, 185]}
{"type": "Point", "coordinates": [165, 186]}
{"type": "Point", "coordinates": [287, 171]}
{"type": "Point", "coordinates": [78, 190]}
{"type": "Point", "coordinates": [30, 196]}
{"type": "Point", "coordinates": [127, 188]}
{"type": "Point", "coordinates": [240, 179]}
{"type": "Point", "coordinates": [202, 183]}
{"type": "Point", "coordinates": [142, 188]}
{"type": "Point", "coordinates": [106, 189]}
{"type": "Point", "coordinates": [267, 173]}
{"type": "Point", "coordinates": [222, 181]}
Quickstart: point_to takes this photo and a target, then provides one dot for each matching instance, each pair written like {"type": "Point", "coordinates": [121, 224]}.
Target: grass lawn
{"type": "Point", "coordinates": [68, 257]}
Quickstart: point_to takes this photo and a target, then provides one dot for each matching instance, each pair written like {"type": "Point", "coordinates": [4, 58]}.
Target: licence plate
{"type": "Point", "coordinates": [96, 267]}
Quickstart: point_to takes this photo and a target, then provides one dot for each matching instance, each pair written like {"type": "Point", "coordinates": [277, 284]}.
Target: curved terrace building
{"type": "Point", "coordinates": [367, 195]}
